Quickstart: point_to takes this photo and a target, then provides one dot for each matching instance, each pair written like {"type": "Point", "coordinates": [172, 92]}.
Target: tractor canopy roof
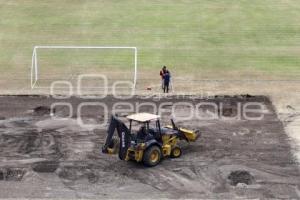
{"type": "Point", "coordinates": [143, 117]}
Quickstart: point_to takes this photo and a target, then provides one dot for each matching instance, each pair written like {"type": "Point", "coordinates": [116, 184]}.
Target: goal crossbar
{"type": "Point", "coordinates": [34, 63]}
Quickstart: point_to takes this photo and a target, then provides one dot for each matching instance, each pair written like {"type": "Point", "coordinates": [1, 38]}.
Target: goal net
{"type": "Point", "coordinates": [87, 67]}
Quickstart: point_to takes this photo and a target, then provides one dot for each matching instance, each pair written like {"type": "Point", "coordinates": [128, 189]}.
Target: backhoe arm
{"type": "Point", "coordinates": [123, 134]}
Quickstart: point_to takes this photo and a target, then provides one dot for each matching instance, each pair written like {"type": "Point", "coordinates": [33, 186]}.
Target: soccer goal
{"type": "Point", "coordinates": [66, 63]}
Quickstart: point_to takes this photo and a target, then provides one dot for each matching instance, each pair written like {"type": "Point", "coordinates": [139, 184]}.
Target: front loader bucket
{"type": "Point", "coordinates": [191, 136]}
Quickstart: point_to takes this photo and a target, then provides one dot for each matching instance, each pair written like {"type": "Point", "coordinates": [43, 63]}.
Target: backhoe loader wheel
{"type": "Point", "coordinates": [152, 156]}
{"type": "Point", "coordinates": [176, 152]}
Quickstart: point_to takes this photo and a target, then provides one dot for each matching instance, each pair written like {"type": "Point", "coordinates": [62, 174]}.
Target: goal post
{"type": "Point", "coordinates": [35, 68]}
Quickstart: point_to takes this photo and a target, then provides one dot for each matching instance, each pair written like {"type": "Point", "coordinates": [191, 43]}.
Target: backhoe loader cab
{"type": "Point", "coordinates": [149, 125]}
{"type": "Point", "coordinates": [150, 143]}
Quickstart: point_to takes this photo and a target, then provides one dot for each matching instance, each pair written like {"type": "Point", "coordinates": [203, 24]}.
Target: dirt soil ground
{"type": "Point", "coordinates": [53, 157]}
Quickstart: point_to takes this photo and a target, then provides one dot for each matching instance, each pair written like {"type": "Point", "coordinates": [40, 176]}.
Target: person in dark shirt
{"type": "Point", "coordinates": [162, 74]}
{"type": "Point", "coordinates": [166, 82]}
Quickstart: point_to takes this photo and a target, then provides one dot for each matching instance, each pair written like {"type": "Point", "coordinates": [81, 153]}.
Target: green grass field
{"type": "Point", "coordinates": [218, 37]}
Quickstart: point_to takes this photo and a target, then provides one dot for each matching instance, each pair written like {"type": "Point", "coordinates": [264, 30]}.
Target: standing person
{"type": "Point", "coordinates": [166, 82]}
{"type": "Point", "coordinates": [162, 74]}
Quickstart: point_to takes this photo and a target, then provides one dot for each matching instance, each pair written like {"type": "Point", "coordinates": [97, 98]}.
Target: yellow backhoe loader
{"type": "Point", "coordinates": [150, 143]}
